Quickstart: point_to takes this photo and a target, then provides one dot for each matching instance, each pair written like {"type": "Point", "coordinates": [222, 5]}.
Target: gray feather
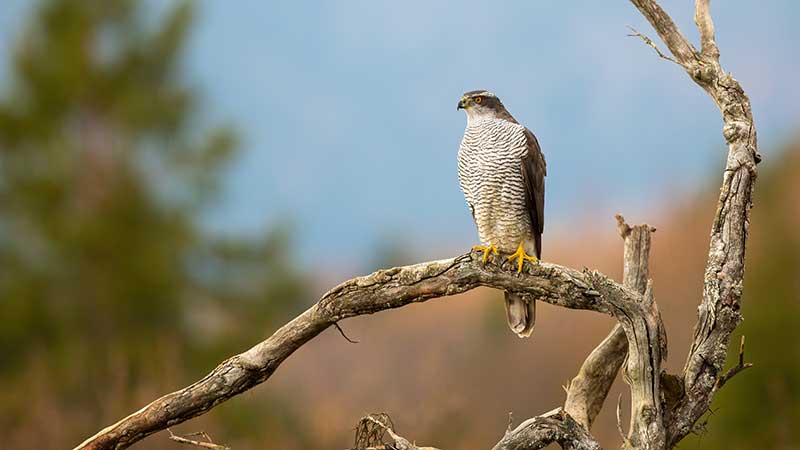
{"type": "Point", "coordinates": [521, 314]}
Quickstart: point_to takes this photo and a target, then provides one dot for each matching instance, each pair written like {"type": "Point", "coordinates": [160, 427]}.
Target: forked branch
{"type": "Point", "coordinates": [719, 311]}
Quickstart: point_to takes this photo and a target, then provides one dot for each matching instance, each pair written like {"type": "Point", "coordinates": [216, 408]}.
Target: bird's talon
{"type": "Point", "coordinates": [487, 250]}
{"type": "Point", "coordinates": [521, 257]}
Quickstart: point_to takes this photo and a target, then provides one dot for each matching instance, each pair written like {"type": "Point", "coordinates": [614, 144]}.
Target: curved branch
{"type": "Point", "coordinates": [719, 311]}
{"type": "Point", "coordinates": [639, 339]}
{"type": "Point", "coordinates": [588, 390]}
{"type": "Point", "coordinates": [379, 291]}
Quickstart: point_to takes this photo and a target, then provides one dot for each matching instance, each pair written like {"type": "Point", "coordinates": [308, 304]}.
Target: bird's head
{"type": "Point", "coordinates": [483, 104]}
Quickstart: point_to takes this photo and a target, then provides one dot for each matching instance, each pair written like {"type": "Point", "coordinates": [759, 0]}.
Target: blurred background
{"type": "Point", "coordinates": [179, 178]}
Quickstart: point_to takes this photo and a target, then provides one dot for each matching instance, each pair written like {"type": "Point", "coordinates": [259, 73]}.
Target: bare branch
{"type": "Point", "coordinates": [622, 227]}
{"type": "Point", "coordinates": [722, 287]}
{"type": "Point", "coordinates": [740, 366]}
{"type": "Point", "coordinates": [636, 255]}
{"type": "Point", "coordinates": [641, 338]}
{"type": "Point", "coordinates": [648, 41]}
{"type": "Point", "coordinates": [702, 18]}
{"type": "Point", "coordinates": [642, 370]}
{"type": "Point", "coordinates": [385, 289]}
{"type": "Point", "coordinates": [589, 389]}
{"type": "Point", "coordinates": [540, 431]}
{"type": "Point", "coordinates": [208, 443]}
{"type": "Point", "coordinates": [341, 331]}
{"type": "Point", "coordinates": [680, 48]}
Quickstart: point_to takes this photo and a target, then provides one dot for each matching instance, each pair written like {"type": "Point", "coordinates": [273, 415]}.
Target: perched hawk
{"type": "Point", "coordinates": [501, 172]}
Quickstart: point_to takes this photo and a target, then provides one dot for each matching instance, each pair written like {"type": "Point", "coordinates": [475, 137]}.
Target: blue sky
{"type": "Point", "coordinates": [348, 119]}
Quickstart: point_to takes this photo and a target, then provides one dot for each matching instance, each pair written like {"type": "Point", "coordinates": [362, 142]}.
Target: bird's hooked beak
{"type": "Point", "coordinates": [462, 104]}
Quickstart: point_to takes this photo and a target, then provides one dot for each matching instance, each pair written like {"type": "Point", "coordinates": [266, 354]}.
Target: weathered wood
{"type": "Point", "coordinates": [540, 431]}
{"type": "Point", "coordinates": [589, 389]}
{"type": "Point", "coordinates": [638, 339]}
{"type": "Point", "coordinates": [642, 375]}
{"type": "Point", "coordinates": [718, 313]}
{"type": "Point", "coordinates": [379, 291]}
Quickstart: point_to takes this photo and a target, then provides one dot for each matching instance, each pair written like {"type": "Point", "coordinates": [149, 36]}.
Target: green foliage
{"type": "Point", "coordinates": [107, 277]}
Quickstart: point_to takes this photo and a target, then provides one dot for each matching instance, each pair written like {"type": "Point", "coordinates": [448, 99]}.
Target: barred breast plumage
{"type": "Point", "coordinates": [490, 175]}
{"type": "Point", "coordinates": [501, 170]}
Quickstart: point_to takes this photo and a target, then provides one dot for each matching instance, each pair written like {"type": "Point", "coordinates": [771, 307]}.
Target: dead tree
{"type": "Point", "coordinates": [664, 407]}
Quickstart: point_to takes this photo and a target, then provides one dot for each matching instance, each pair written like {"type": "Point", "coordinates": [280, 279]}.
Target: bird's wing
{"type": "Point", "coordinates": [534, 170]}
{"type": "Point", "coordinates": [463, 167]}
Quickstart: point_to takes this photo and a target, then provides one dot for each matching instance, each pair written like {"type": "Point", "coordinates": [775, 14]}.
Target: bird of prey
{"type": "Point", "coordinates": [501, 171]}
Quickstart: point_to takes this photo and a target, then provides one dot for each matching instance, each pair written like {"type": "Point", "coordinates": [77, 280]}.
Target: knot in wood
{"type": "Point", "coordinates": [703, 73]}
{"type": "Point", "coordinates": [735, 130]}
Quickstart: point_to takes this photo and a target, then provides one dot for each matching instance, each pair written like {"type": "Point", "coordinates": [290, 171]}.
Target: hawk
{"type": "Point", "coordinates": [501, 171]}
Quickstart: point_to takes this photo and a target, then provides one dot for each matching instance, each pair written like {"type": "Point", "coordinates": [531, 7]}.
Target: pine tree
{"type": "Point", "coordinates": [107, 279]}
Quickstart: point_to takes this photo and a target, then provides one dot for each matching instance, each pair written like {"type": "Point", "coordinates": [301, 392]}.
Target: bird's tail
{"type": "Point", "coordinates": [521, 313]}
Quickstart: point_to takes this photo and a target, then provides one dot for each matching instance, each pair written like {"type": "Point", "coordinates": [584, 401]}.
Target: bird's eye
{"type": "Point", "coordinates": [478, 100]}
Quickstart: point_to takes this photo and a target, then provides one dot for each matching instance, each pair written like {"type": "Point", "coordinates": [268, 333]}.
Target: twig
{"type": "Point", "coordinates": [740, 366]}
{"type": "Point", "coordinates": [210, 444]}
{"type": "Point", "coordinates": [623, 228]}
{"type": "Point", "coordinates": [336, 324]}
{"type": "Point", "coordinates": [648, 41]}
{"type": "Point", "coordinates": [668, 31]}
{"type": "Point", "coordinates": [400, 442]}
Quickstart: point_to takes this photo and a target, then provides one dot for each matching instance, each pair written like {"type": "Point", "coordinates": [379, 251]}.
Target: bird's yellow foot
{"type": "Point", "coordinates": [521, 257]}
{"type": "Point", "coordinates": [487, 250]}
